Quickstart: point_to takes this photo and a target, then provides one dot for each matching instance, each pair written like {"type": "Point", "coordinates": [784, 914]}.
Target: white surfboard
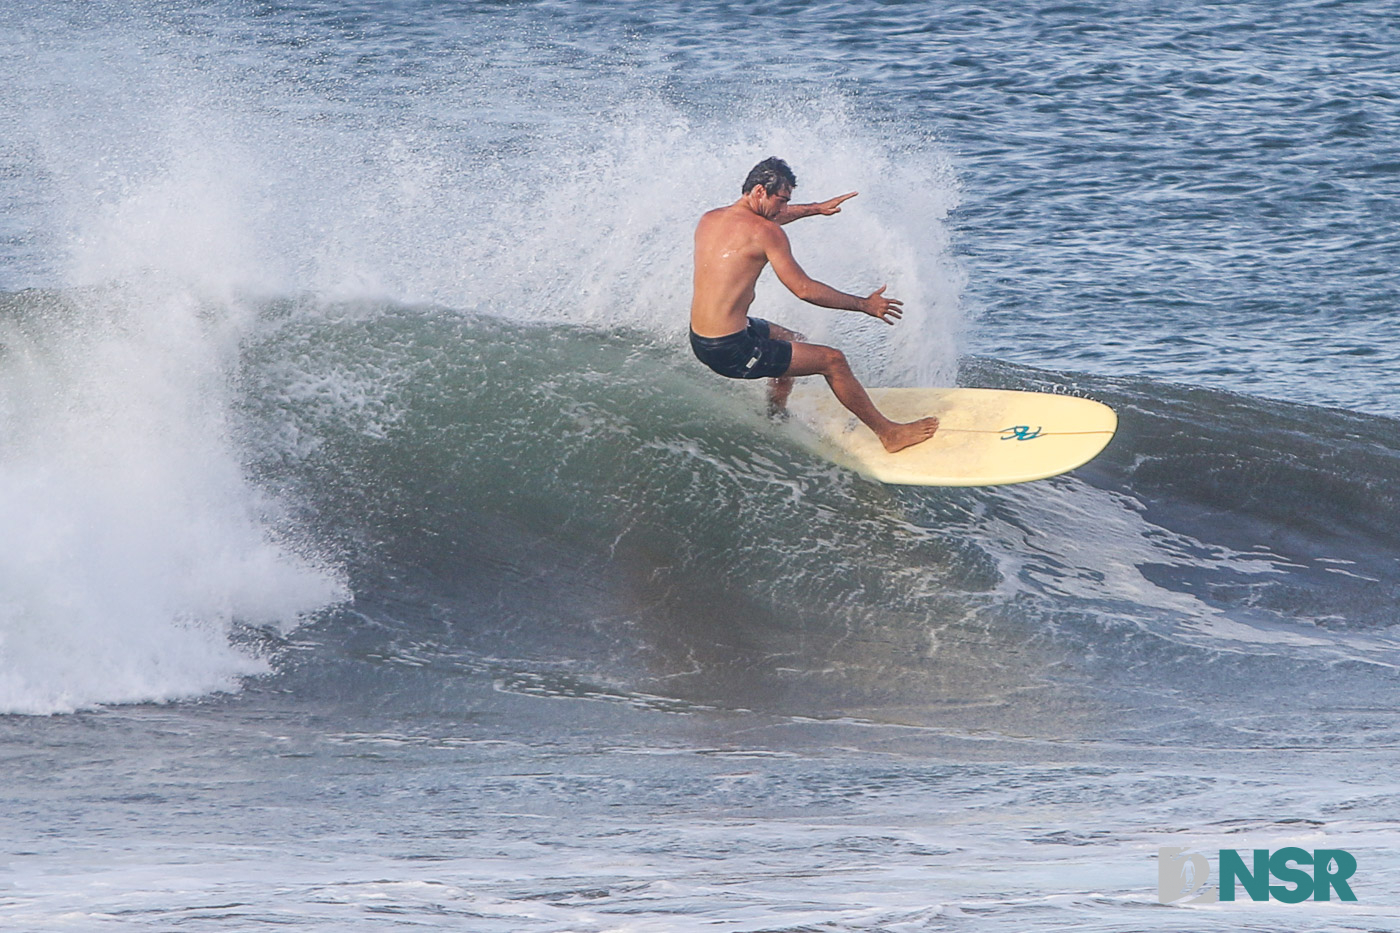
{"type": "Point", "coordinates": [986, 437]}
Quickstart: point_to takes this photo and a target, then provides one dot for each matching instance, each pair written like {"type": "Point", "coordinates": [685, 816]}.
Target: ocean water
{"type": "Point", "coordinates": [373, 554]}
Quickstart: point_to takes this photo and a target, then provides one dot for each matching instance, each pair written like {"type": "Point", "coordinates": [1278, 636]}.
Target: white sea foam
{"type": "Point", "coordinates": [132, 539]}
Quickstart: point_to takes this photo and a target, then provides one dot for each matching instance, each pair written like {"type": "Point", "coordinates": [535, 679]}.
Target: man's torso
{"type": "Point", "coordinates": [729, 256]}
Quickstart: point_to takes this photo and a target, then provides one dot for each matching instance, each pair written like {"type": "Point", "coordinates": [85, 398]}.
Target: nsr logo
{"type": "Point", "coordinates": [1185, 874]}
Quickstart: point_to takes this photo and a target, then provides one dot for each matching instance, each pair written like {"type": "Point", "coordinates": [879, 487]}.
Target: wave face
{"type": "Point", "coordinates": [581, 513]}
{"type": "Point", "coordinates": [570, 509]}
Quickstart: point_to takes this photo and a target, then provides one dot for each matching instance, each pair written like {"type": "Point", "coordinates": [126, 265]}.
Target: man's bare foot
{"type": "Point", "coordinates": [778, 392]}
{"type": "Point", "coordinates": [900, 436]}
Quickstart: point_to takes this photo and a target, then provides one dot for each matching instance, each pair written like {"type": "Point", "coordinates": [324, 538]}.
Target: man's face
{"type": "Point", "coordinates": [771, 205]}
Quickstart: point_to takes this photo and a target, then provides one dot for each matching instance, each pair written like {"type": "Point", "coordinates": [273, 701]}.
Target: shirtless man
{"type": "Point", "coordinates": [732, 245]}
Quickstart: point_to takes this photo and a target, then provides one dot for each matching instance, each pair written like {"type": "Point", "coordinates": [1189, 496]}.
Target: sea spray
{"type": "Point", "coordinates": [478, 185]}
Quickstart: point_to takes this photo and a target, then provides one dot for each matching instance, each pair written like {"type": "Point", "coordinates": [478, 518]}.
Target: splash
{"type": "Point", "coordinates": [466, 181]}
{"type": "Point", "coordinates": [133, 543]}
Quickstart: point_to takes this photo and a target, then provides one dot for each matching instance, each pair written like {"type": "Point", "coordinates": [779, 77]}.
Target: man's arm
{"type": "Point", "coordinates": [797, 211]}
{"type": "Point", "coordinates": [779, 252]}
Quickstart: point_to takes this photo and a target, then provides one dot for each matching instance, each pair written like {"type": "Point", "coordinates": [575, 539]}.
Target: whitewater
{"type": "Point", "coordinates": [374, 553]}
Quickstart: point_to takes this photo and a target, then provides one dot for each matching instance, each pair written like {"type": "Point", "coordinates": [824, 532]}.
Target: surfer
{"type": "Point", "coordinates": [732, 245]}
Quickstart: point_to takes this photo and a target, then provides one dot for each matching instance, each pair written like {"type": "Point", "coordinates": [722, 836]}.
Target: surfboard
{"type": "Point", "coordinates": [986, 437]}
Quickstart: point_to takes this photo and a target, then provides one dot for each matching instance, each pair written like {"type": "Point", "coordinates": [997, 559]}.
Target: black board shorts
{"type": "Point", "coordinates": [747, 354]}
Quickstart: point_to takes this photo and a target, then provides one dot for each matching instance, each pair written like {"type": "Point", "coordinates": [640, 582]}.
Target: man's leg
{"type": "Point", "coordinates": [810, 359]}
{"type": "Point", "coordinates": [779, 389]}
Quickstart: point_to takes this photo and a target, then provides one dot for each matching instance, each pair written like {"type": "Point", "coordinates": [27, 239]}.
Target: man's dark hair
{"type": "Point", "coordinates": [773, 174]}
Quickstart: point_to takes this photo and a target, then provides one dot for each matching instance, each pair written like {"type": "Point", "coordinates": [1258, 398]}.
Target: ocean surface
{"type": "Point", "coordinates": [374, 555]}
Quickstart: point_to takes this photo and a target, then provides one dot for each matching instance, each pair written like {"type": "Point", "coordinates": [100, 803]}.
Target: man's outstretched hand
{"type": "Point", "coordinates": [797, 211]}
{"type": "Point", "coordinates": [833, 206]}
{"type": "Point", "coordinates": [877, 305]}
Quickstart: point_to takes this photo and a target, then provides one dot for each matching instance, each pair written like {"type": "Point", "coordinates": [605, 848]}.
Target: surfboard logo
{"type": "Point", "coordinates": [1022, 432]}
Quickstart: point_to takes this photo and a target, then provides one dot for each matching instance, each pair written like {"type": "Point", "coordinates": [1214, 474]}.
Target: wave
{"type": "Point", "coordinates": [558, 502]}
{"type": "Point", "coordinates": [159, 356]}
{"type": "Point", "coordinates": [553, 504]}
